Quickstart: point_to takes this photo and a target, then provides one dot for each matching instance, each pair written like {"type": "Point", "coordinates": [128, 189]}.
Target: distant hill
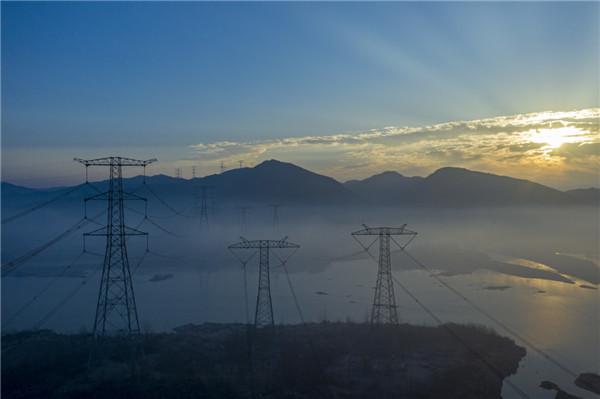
{"type": "Point", "coordinates": [584, 195]}
{"type": "Point", "coordinates": [386, 188]}
{"type": "Point", "coordinates": [10, 189]}
{"type": "Point", "coordinates": [279, 182]}
{"type": "Point", "coordinates": [458, 187]}
{"type": "Point", "coordinates": [269, 182]}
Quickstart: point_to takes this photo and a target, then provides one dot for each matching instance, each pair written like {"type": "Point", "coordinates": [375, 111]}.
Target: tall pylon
{"type": "Point", "coordinates": [263, 315]}
{"type": "Point", "coordinates": [384, 309]}
{"type": "Point", "coordinates": [116, 310]}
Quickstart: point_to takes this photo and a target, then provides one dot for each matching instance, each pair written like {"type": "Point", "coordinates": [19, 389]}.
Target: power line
{"type": "Point", "coordinates": [139, 263]}
{"type": "Point", "coordinates": [43, 290]}
{"type": "Point", "coordinates": [72, 294]}
{"type": "Point", "coordinates": [164, 203]}
{"type": "Point", "coordinates": [11, 266]}
{"type": "Point", "coordinates": [145, 214]}
{"type": "Point", "coordinates": [453, 333]}
{"type": "Point", "coordinates": [485, 313]}
{"type": "Point", "coordinates": [494, 319]}
{"type": "Point", "coordinates": [41, 205]}
{"type": "Point", "coordinates": [163, 229]}
{"type": "Point", "coordinates": [244, 262]}
{"type": "Point", "coordinates": [61, 274]}
{"type": "Point", "coordinates": [291, 286]}
{"type": "Point", "coordinates": [62, 303]}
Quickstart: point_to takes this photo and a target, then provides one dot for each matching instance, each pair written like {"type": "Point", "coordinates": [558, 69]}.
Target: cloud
{"type": "Point", "coordinates": [542, 145]}
{"type": "Point", "coordinates": [569, 150]}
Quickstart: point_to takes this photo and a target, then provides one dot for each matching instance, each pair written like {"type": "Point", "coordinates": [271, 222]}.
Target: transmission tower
{"type": "Point", "coordinates": [263, 316]}
{"type": "Point", "coordinates": [222, 167]}
{"type": "Point", "coordinates": [178, 173]}
{"type": "Point", "coordinates": [116, 308]}
{"type": "Point", "coordinates": [275, 208]}
{"type": "Point", "coordinates": [384, 310]}
{"type": "Point", "coordinates": [193, 172]}
{"type": "Point", "coordinates": [241, 164]}
{"type": "Point", "coordinates": [202, 207]}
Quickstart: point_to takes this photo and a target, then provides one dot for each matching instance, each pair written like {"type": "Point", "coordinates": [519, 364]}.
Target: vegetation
{"type": "Point", "coordinates": [216, 361]}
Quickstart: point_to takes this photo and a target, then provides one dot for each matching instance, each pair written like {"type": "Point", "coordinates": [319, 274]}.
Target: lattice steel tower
{"type": "Point", "coordinates": [116, 308]}
{"type": "Point", "coordinates": [205, 190]}
{"type": "Point", "coordinates": [263, 316]}
{"type": "Point", "coordinates": [384, 310]}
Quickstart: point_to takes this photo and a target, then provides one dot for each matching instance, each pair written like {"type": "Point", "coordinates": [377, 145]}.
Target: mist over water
{"type": "Point", "coordinates": [536, 269]}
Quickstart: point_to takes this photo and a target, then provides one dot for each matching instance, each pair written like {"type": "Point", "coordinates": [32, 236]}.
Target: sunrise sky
{"type": "Point", "coordinates": [344, 89]}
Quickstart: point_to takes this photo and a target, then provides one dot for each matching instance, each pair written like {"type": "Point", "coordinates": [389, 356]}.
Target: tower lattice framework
{"type": "Point", "coordinates": [203, 208]}
{"type": "Point", "coordinates": [116, 309]}
{"type": "Point", "coordinates": [384, 309]}
{"type": "Point", "coordinates": [263, 315]}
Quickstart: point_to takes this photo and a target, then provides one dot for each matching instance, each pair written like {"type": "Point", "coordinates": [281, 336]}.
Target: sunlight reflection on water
{"type": "Point", "coordinates": [558, 317]}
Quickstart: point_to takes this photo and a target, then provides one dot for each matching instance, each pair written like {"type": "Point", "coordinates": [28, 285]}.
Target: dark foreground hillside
{"type": "Point", "coordinates": [327, 360]}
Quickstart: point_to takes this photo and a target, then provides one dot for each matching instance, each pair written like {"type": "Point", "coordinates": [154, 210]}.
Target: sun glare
{"type": "Point", "coordinates": [554, 138]}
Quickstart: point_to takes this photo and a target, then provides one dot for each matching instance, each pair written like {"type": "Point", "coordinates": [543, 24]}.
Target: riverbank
{"type": "Point", "coordinates": [322, 360]}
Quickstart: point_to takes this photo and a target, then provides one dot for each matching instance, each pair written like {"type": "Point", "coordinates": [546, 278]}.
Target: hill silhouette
{"type": "Point", "coordinates": [459, 187]}
{"type": "Point", "coordinates": [280, 182]}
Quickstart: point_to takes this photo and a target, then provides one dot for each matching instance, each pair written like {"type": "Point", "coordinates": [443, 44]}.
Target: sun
{"type": "Point", "coordinates": [555, 137]}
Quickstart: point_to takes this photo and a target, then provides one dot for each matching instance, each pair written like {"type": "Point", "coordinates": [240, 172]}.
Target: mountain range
{"type": "Point", "coordinates": [280, 182]}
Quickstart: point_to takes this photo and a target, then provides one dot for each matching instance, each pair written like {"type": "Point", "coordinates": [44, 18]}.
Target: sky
{"type": "Point", "coordinates": [344, 89]}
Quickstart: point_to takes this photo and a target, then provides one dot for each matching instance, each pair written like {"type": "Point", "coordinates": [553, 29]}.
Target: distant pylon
{"type": "Point", "coordinates": [263, 316]}
{"type": "Point", "coordinates": [178, 173]}
{"type": "Point", "coordinates": [384, 310]}
{"type": "Point", "coordinates": [193, 172]}
{"type": "Point", "coordinates": [275, 208]}
{"type": "Point", "coordinates": [222, 167]}
{"type": "Point", "coordinates": [204, 194]}
{"type": "Point", "coordinates": [241, 164]}
{"type": "Point", "coordinates": [116, 308]}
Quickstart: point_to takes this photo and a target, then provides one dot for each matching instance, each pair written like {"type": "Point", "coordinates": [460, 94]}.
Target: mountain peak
{"type": "Point", "coordinates": [388, 173]}
{"type": "Point", "coordinates": [270, 163]}
{"type": "Point", "coordinates": [281, 182]}
{"type": "Point", "coordinates": [452, 170]}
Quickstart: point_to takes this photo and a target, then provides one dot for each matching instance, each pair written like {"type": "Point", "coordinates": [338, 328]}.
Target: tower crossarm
{"type": "Point", "coordinates": [375, 231]}
{"type": "Point", "coordinates": [115, 161]}
{"type": "Point", "coordinates": [253, 244]}
{"type": "Point", "coordinates": [104, 231]}
{"type": "Point", "coordinates": [105, 196]}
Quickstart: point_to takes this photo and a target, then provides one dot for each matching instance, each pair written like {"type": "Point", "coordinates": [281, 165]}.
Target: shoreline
{"type": "Point", "coordinates": [318, 360]}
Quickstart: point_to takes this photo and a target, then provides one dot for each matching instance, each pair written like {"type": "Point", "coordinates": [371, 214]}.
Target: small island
{"type": "Point", "coordinates": [321, 360]}
{"type": "Point", "coordinates": [160, 277]}
{"type": "Point", "coordinates": [589, 381]}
